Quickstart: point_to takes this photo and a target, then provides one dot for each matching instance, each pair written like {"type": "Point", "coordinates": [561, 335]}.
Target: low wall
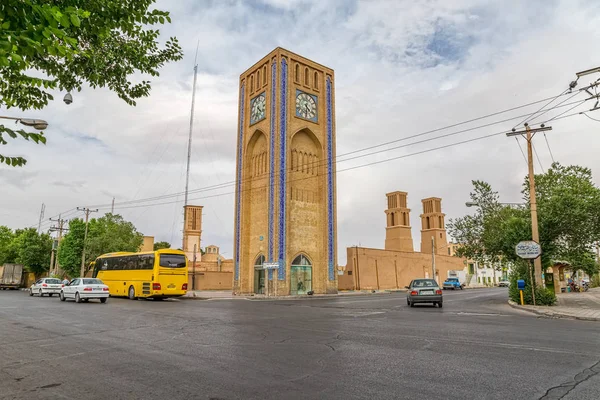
{"type": "Point", "coordinates": [376, 269]}
{"type": "Point", "coordinates": [211, 280]}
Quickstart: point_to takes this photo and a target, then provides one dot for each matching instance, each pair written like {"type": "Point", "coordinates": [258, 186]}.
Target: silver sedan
{"type": "Point", "coordinates": [424, 291]}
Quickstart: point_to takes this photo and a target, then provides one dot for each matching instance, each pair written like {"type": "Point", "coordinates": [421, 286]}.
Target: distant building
{"type": "Point", "coordinates": [394, 266]}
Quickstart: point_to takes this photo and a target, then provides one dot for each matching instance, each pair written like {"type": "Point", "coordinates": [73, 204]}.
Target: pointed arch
{"type": "Point", "coordinates": [301, 258]}
{"type": "Point", "coordinates": [258, 79]}
{"type": "Point", "coordinates": [306, 77]}
{"type": "Point", "coordinates": [264, 82]}
{"type": "Point", "coordinates": [297, 73]}
{"type": "Point", "coordinates": [316, 80]}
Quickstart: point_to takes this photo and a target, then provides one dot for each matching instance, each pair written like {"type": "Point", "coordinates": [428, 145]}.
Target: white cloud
{"type": "Point", "coordinates": [402, 67]}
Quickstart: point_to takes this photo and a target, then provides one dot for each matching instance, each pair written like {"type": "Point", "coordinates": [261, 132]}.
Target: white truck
{"type": "Point", "coordinates": [10, 276]}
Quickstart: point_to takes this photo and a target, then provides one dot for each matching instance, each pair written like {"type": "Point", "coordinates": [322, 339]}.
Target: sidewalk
{"type": "Point", "coordinates": [227, 295]}
{"type": "Point", "coordinates": [584, 306]}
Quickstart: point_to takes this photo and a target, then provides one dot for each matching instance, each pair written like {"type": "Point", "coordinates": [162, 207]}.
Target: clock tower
{"type": "Point", "coordinates": [285, 208]}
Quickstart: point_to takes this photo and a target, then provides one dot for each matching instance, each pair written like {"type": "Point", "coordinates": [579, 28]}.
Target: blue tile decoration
{"type": "Point", "coordinates": [239, 186]}
{"type": "Point", "coordinates": [282, 167]}
{"type": "Point", "coordinates": [330, 199]}
{"type": "Point", "coordinates": [272, 165]}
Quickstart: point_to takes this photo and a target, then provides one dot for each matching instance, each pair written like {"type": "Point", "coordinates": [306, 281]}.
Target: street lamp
{"type": "Point", "coordinates": [38, 124]}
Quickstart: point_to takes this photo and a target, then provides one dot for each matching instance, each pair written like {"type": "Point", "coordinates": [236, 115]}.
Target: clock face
{"type": "Point", "coordinates": [306, 106]}
{"type": "Point", "coordinates": [257, 108]}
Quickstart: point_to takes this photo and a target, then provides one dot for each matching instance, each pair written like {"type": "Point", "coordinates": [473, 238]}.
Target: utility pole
{"type": "Point", "coordinates": [87, 212]}
{"type": "Point", "coordinates": [112, 208]}
{"type": "Point", "coordinates": [54, 255]}
{"type": "Point", "coordinates": [530, 133]}
{"type": "Point", "coordinates": [41, 217]}
{"type": "Point", "coordinates": [433, 256]}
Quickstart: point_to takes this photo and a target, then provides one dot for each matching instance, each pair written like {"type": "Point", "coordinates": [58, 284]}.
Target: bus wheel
{"type": "Point", "coordinates": [132, 293]}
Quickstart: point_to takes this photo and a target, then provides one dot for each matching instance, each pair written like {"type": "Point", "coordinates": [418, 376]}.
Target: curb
{"type": "Point", "coordinates": [549, 313]}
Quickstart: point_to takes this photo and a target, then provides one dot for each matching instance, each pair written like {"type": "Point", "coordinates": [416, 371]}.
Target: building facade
{"type": "Point", "coordinates": [192, 232]}
{"type": "Point", "coordinates": [394, 266]}
{"type": "Point", "coordinates": [285, 207]}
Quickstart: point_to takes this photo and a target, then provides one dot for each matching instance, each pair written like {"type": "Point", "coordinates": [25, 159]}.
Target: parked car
{"type": "Point", "coordinates": [424, 291]}
{"type": "Point", "coordinates": [84, 289]}
{"type": "Point", "coordinates": [504, 284]}
{"type": "Point", "coordinates": [452, 283]}
{"type": "Point", "coordinates": [44, 286]}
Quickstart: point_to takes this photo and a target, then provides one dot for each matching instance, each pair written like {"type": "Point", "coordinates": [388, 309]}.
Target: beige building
{"type": "Point", "coordinates": [397, 264]}
{"type": "Point", "coordinates": [192, 231]}
{"type": "Point", "coordinates": [285, 211]}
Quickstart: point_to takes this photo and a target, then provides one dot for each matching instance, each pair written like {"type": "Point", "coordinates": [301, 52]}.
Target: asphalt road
{"type": "Point", "coordinates": [367, 347]}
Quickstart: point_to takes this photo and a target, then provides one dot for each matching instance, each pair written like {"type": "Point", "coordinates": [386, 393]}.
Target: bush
{"type": "Point", "coordinates": [595, 281]}
{"type": "Point", "coordinates": [543, 296]}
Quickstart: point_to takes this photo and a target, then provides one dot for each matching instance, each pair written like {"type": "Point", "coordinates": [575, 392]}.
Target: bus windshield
{"type": "Point", "coordinates": [172, 260]}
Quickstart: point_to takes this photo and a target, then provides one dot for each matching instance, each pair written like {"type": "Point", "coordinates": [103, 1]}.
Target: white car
{"type": "Point", "coordinates": [84, 289]}
{"type": "Point", "coordinates": [44, 286]}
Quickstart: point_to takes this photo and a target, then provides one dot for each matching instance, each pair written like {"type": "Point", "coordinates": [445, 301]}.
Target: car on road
{"type": "Point", "coordinates": [424, 291]}
{"type": "Point", "coordinates": [452, 283]}
{"type": "Point", "coordinates": [85, 289]}
{"type": "Point", "coordinates": [504, 283]}
{"type": "Point", "coordinates": [49, 286]}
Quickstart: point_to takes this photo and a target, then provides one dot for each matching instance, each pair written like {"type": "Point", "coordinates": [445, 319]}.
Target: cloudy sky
{"type": "Point", "coordinates": [402, 68]}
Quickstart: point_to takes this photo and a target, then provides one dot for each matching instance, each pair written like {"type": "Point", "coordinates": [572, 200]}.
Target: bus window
{"type": "Point", "coordinates": [172, 260]}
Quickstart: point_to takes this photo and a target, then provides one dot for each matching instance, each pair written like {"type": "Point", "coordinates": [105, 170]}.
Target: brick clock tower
{"type": "Point", "coordinates": [285, 210]}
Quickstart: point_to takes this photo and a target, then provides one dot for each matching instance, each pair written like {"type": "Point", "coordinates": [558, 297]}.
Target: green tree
{"type": "Point", "coordinates": [7, 250]}
{"type": "Point", "coordinates": [568, 218]}
{"type": "Point", "coordinates": [33, 250]}
{"type": "Point", "coordinates": [107, 234]}
{"type": "Point", "coordinates": [162, 245]}
{"type": "Point", "coordinates": [48, 45]}
{"type": "Point", "coordinates": [70, 248]}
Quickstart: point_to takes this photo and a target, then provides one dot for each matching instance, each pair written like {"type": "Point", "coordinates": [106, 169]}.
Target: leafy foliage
{"type": "Point", "coordinates": [71, 247]}
{"type": "Point", "coordinates": [162, 245]}
{"type": "Point", "coordinates": [7, 249]}
{"type": "Point", "coordinates": [543, 296]}
{"type": "Point", "coordinates": [568, 219]}
{"type": "Point", "coordinates": [107, 234]}
{"type": "Point", "coordinates": [48, 45]}
{"type": "Point", "coordinates": [31, 249]}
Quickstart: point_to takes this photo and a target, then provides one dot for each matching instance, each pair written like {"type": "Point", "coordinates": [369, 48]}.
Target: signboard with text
{"type": "Point", "coordinates": [274, 265]}
{"type": "Point", "coordinates": [528, 249]}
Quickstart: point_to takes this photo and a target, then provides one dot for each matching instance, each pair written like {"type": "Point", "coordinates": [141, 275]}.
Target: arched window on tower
{"type": "Point", "coordinates": [251, 83]}
{"type": "Point", "coordinates": [297, 75]}
{"type": "Point", "coordinates": [306, 76]}
{"type": "Point", "coordinates": [265, 75]}
{"type": "Point", "coordinates": [393, 222]}
{"type": "Point", "coordinates": [316, 80]}
{"type": "Point", "coordinates": [258, 80]}
{"type": "Point", "coordinates": [427, 223]}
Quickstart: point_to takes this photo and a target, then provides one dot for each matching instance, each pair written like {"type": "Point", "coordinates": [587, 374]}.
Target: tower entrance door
{"type": "Point", "coordinates": [259, 275]}
{"type": "Point", "coordinates": [301, 275]}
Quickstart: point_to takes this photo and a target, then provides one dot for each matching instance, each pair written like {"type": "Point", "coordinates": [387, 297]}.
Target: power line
{"type": "Point", "coordinates": [544, 106]}
{"type": "Point", "coordinates": [549, 149]}
{"type": "Point", "coordinates": [323, 162]}
{"type": "Point", "coordinates": [593, 119]}
{"type": "Point", "coordinates": [225, 185]}
{"type": "Point", "coordinates": [520, 148]}
{"type": "Point", "coordinates": [349, 168]}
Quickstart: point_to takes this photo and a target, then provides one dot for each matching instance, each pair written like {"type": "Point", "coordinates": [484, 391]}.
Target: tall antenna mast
{"type": "Point", "coordinates": [189, 154]}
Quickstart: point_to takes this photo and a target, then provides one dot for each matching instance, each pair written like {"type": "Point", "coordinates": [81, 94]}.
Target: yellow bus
{"type": "Point", "coordinates": [158, 274]}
